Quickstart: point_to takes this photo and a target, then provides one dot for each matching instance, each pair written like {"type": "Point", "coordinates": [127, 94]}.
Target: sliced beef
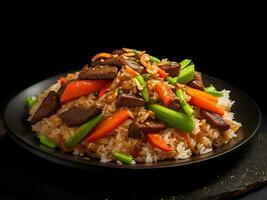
{"type": "Point", "coordinates": [197, 82]}
{"type": "Point", "coordinates": [172, 69]}
{"type": "Point", "coordinates": [126, 100]}
{"type": "Point", "coordinates": [137, 129]}
{"type": "Point", "coordinates": [175, 105]}
{"type": "Point", "coordinates": [48, 107]}
{"type": "Point", "coordinates": [134, 65]}
{"type": "Point", "coordinates": [100, 72]}
{"type": "Point", "coordinates": [76, 116]}
{"type": "Point", "coordinates": [116, 61]}
{"type": "Point", "coordinates": [215, 120]}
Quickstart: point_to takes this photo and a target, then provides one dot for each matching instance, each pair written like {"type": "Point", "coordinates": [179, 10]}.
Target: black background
{"type": "Point", "coordinates": [224, 42]}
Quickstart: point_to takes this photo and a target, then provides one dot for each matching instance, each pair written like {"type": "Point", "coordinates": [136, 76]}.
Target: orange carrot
{"type": "Point", "coordinates": [107, 125]}
{"type": "Point", "coordinates": [162, 73]}
{"type": "Point", "coordinates": [206, 104]}
{"type": "Point", "coordinates": [164, 93]}
{"type": "Point", "coordinates": [200, 94]}
{"type": "Point", "coordinates": [62, 80]}
{"type": "Point", "coordinates": [104, 89]}
{"type": "Point", "coordinates": [101, 55]}
{"type": "Point", "coordinates": [76, 89]}
{"type": "Point", "coordinates": [131, 71]}
{"type": "Point", "coordinates": [156, 141]}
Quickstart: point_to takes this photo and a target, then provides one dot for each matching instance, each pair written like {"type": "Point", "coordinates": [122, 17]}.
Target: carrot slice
{"type": "Point", "coordinates": [162, 73]}
{"type": "Point", "coordinates": [206, 104]}
{"type": "Point", "coordinates": [62, 80]}
{"type": "Point", "coordinates": [107, 125]}
{"type": "Point", "coordinates": [200, 94]}
{"type": "Point", "coordinates": [131, 71]}
{"type": "Point", "coordinates": [76, 89]}
{"type": "Point", "coordinates": [104, 89]}
{"type": "Point", "coordinates": [101, 55]}
{"type": "Point", "coordinates": [164, 93]}
{"type": "Point", "coordinates": [156, 141]}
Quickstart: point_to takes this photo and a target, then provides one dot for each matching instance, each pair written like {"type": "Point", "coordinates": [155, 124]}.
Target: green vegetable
{"type": "Point", "coordinates": [173, 118]}
{"type": "Point", "coordinates": [120, 91]}
{"type": "Point", "coordinates": [212, 91]}
{"type": "Point", "coordinates": [123, 157]}
{"type": "Point", "coordinates": [83, 130]}
{"type": "Point", "coordinates": [31, 100]}
{"type": "Point", "coordinates": [152, 100]}
{"type": "Point", "coordinates": [184, 63]}
{"type": "Point", "coordinates": [186, 107]}
{"type": "Point", "coordinates": [154, 59]}
{"type": "Point", "coordinates": [145, 76]}
{"type": "Point", "coordinates": [136, 51]}
{"type": "Point", "coordinates": [187, 74]}
{"type": "Point", "coordinates": [172, 80]}
{"type": "Point", "coordinates": [47, 142]}
{"type": "Point", "coordinates": [144, 92]}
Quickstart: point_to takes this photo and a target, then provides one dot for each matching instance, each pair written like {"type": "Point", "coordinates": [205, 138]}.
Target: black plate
{"type": "Point", "coordinates": [245, 109]}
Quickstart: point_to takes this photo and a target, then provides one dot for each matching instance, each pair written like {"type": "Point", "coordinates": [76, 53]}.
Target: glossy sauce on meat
{"type": "Point", "coordinates": [126, 100]}
{"type": "Point", "coordinates": [137, 129]}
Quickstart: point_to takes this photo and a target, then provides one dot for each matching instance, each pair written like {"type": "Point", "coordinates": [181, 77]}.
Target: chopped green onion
{"type": "Point", "coordinates": [83, 130]}
{"type": "Point", "coordinates": [172, 80]}
{"type": "Point", "coordinates": [187, 74]}
{"type": "Point", "coordinates": [120, 91]}
{"type": "Point", "coordinates": [213, 91]}
{"type": "Point", "coordinates": [154, 59]}
{"type": "Point", "coordinates": [184, 63]}
{"type": "Point", "coordinates": [123, 157]}
{"type": "Point", "coordinates": [173, 118]}
{"type": "Point", "coordinates": [144, 91]}
{"type": "Point", "coordinates": [186, 107]}
{"type": "Point", "coordinates": [47, 141]}
{"type": "Point", "coordinates": [31, 100]}
{"type": "Point", "coordinates": [145, 76]}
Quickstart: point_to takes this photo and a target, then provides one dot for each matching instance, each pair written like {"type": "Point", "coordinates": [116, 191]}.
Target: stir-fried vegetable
{"type": "Point", "coordinates": [213, 91]}
{"type": "Point", "coordinates": [62, 80]}
{"type": "Point", "coordinates": [162, 73]}
{"type": "Point", "coordinates": [144, 91]}
{"type": "Point", "coordinates": [186, 107]}
{"type": "Point", "coordinates": [83, 130]}
{"type": "Point", "coordinates": [173, 118]}
{"type": "Point", "coordinates": [46, 141]}
{"type": "Point", "coordinates": [145, 76]}
{"type": "Point", "coordinates": [31, 100]}
{"type": "Point", "coordinates": [101, 55]}
{"type": "Point", "coordinates": [200, 94]}
{"type": "Point", "coordinates": [184, 63]}
{"type": "Point", "coordinates": [172, 80]}
{"type": "Point", "coordinates": [154, 59]}
{"type": "Point", "coordinates": [104, 89]}
{"type": "Point", "coordinates": [156, 141]}
{"type": "Point", "coordinates": [131, 71]}
{"type": "Point", "coordinates": [164, 93]}
{"type": "Point", "coordinates": [207, 105]}
{"type": "Point", "coordinates": [187, 74]}
{"type": "Point", "coordinates": [123, 157]}
{"type": "Point", "coordinates": [108, 125]}
{"type": "Point", "coordinates": [76, 89]}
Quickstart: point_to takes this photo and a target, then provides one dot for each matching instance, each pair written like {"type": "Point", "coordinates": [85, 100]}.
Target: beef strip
{"type": "Point", "coordinates": [76, 116]}
{"type": "Point", "coordinates": [116, 61]}
{"type": "Point", "coordinates": [100, 72]}
{"type": "Point", "coordinates": [134, 65]}
{"type": "Point", "coordinates": [197, 82]}
{"type": "Point", "coordinates": [48, 107]}
{"type": "Point", "coordinates": [215, 120]}
{"type": "Point", "coordinates": [126, 100]}
{"type": "Point", "coordinates": [137, 129]}
{"type": "Point", "coordinates": [172, 70]}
